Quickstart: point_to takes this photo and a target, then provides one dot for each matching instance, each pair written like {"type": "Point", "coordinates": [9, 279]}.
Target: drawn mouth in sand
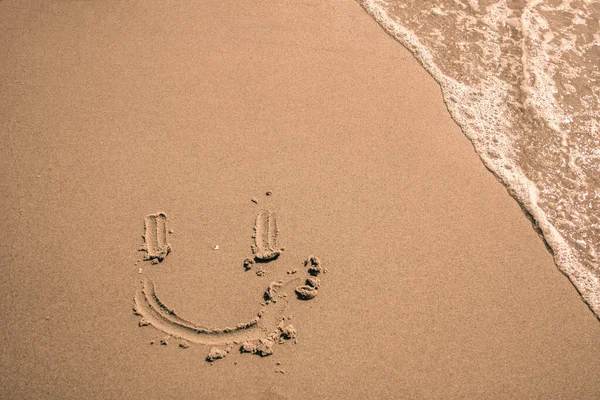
{"type": "Point", "coordinates": [259, 335]}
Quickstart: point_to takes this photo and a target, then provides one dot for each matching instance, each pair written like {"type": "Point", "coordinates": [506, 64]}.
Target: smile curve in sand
{"type": "Point", "coordinates": [269, 324]}
{"type": "Point", "coordinates": [156, 313]}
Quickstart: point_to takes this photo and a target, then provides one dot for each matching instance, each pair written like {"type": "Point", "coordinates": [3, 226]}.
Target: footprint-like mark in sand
{"type": "Point", "coordinates": [256, 336]}
{"type": "Point", "coordinates": [266, 232]}
{"type": "Point", "coordinates": [155, 237]}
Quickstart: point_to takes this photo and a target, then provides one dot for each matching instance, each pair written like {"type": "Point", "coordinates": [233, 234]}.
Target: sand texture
{"type": "Point", "coordinates": [407, 270]}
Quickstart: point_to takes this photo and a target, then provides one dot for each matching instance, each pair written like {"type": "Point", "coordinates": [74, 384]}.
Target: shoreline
{"type": "Point", "coordinates": [437, 287]}
{"type": "Point", "coordinates": [525, 192]}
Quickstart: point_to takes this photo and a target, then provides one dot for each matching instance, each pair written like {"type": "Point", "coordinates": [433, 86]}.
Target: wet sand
{"type": "Point", "coordinates": [437, 285]}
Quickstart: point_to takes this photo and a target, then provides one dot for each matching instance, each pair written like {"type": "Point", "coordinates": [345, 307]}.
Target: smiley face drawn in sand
{"type": "Point", "coordinates": [259, 335]}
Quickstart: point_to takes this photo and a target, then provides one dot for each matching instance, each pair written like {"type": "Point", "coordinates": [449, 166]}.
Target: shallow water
{"type": "Point", "coordinates": [522, 79]}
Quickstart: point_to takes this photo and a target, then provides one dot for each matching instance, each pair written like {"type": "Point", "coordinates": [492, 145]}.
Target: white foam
{"type": "Point", "coordinates": [482, 111]}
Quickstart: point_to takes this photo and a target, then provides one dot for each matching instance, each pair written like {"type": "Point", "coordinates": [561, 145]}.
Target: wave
{"type": "Point", "coordinates": [522, 83]}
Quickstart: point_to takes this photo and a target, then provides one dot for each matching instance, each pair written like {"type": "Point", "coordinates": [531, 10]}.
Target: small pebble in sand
{"type": "Point", "coordinates": [269, 193]}
{"type": "Point", "coordinates": [171, 231]}
{"type": "Point", "coordinates": [139, 270]}
{"type": "Point", "coordinates": [269, 294]}
{"type": "Point", "coordinates": [215, 354]}
{"type": "Point", "coordinates": [262, 347]}
{"type": "Point", "coordinates": [288, 332]}
{"type": "Point", "coordinates": [261, 271]}
{"type": "Point", "coordinates": [143, 322]}
{"type": "Point", "coordinates": [164, 342]}
{"type": "Point", "coordinates": [254, 200]}
{"type": "Point", "coordinates": [216, 247]}
{"type": "Point", "coordinates": [184, 345]}
{"type": "Point", "coordinates": [248, 264]}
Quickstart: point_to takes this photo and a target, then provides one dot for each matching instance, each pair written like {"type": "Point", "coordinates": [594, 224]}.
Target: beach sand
{"type": "Point", "coordinates": [437, 285]}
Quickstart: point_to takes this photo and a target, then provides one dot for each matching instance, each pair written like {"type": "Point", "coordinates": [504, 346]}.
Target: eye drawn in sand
{"type": "Point", "coordinates": [266, 246]}
{"type": "Point", "coordinates": [155, 237]}
{"type": "Point", "coordinates": [266, 232]}
{"type": "Point", "coordinates": [258, 334]}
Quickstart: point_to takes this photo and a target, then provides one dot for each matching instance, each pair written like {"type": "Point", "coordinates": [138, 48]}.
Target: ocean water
{"type": "Point", "coordinates": [522, 80]}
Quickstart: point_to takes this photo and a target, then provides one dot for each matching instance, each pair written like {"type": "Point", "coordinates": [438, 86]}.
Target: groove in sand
{"type": "Point", "coordinates": [163, 318]}
{"type": "Point", "coordinates": [266, 232]}
{"type": "Point", "coordinates": [155, 235]}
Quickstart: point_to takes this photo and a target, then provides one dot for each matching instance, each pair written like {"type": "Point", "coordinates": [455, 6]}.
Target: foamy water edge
{"type": "Point", "coordinates": [511, 176]}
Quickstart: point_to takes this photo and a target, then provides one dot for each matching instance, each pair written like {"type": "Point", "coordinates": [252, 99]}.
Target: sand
{"type": "Point", "coordinates": [437, 285]}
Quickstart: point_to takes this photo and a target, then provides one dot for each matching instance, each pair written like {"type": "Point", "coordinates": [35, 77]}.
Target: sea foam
{"type": "Point", "coordinates": [522, 82]}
